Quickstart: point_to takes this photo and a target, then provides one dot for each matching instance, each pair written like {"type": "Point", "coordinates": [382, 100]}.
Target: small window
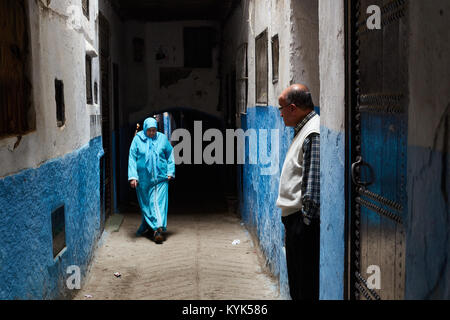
{"type": "Point", "coordinates": [60, 107]}
{"type": "Point", "coordinates": [275, 58]}
{"type": "Point", "coordinates": [261, 63]}
{"type": "Point", "coordinates": [58, 230]}
{"type": "Point", "coordinates": [198, 47]}
{"type": "Point", "coordinates": [89, 99]}
{"type": "Point", "coordinates": [85, 4]}
{"type": "Point", "coordinates": [138, 49]}
{"type": "Point", "coordinates": [242, 78]}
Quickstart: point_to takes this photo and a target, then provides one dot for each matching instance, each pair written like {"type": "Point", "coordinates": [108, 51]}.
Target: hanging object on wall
{"type": "Point", "coordinates": [242, 78]}
{"type": "Point", "coordinates": [162, 54]}
{"type": "Point", "coordinates": [89, 95]}
{"type": "Point", "coordinates": [275, 58]}
{"type": "Point", "coordinates": [262, 69]}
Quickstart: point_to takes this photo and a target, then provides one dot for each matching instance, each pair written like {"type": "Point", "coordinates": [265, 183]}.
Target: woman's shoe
{"type": "Point", "coordinates": [160, 230]}
{"type": "Point", "coordinates": [158, 237]}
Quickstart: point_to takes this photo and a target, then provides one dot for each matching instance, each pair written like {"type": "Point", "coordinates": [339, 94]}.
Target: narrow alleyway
{"type": "Point", "coordinates": [78, 79]}
{"type": "Point", "coordinates": [197, 262]}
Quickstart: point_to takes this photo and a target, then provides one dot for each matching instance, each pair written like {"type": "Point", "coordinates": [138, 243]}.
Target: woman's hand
{"type": "Point", "coordinates": [134, 183]}
{"type": "Point", "coordinates": [169, 178]}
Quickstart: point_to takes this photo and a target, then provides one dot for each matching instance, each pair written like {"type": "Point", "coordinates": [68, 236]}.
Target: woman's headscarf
{"type": "Point", "coordinates": [150, 123]}
{"type": "Point", "coordinates": [151, 154]}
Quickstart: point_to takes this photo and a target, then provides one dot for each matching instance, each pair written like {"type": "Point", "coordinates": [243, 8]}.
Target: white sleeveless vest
{"type": "Point", "coordinates": [290, 190]}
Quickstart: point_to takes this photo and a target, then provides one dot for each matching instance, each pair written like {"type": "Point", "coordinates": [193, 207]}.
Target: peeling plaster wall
{"type": "Point", "coordinates": [332, 149]}
{"type": "Point", "coordinates": [259, 192]}
{"type": "Point", "coordinates": [428, 223]}
{"type": "Point", "coordinates": [57, 51]}
{"type": "Point", "coordinates": [304, 47]}
{"type": "Point", "coordinates": [52, 166]}
{"type": "Point", "coordinates": [198, 89]}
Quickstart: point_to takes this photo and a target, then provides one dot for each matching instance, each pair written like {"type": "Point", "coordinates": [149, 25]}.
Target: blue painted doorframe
{"type": "Point", "coordinates": [377, 99]}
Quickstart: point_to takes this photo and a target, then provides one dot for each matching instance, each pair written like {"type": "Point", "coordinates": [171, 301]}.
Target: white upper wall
{"type": "Point", "coordinates": [57, 51]}
{"type": "Point", "coordinates": [304, 49]}
{"type": "Point", "coordinates": [332, 64]}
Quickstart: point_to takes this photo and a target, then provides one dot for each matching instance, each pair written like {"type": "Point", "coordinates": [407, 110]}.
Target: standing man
{"type": "Point", "coordinates": [299, 193]}
{"type": "Point", "coordinates": [150, 167]}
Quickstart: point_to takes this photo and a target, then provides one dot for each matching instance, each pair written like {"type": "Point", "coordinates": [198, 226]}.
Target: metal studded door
{"type": "Point", "coordinates": [377, 91]}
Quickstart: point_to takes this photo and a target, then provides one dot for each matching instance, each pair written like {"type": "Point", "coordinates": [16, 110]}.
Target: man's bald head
{"type": "Point", "coordinates": [299, 95]}
{"type": "Point", "coordinates": [295, 104]}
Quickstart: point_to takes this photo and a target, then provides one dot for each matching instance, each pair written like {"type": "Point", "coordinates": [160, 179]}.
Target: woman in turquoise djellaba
{"type": "Point", "coordinates": [150, 167]}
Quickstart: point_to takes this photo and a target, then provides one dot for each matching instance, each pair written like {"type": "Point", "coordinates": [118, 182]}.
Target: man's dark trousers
{"type": "Point", "coordinates": [302, 256]}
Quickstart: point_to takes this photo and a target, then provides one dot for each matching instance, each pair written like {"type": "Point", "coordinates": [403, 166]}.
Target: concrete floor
{"type": "Point", "coordinates": [197, 262]}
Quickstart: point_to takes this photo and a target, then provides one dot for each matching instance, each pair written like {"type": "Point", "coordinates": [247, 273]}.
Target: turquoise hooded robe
{"type": "Point", "coordinates": [151, 162]}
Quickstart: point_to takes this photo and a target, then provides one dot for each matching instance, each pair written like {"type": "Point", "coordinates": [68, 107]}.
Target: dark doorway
{"type": "Point", "coordinates": [104, 35]}
{"type": "Point", "coordinates": [197, 183]}
{"type": "Point", "coordinates": [377, 102]}
{"type": "Point", "coordinates": [116, 102]}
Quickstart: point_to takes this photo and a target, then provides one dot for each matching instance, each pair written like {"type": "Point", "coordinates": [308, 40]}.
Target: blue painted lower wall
{"type": "Point", "coordinates": [332, 212]}
{"type": "Point", "coordinates": [259, 195]}
{"type": "Point", "coordinates": [27, 199]}
{"type": "Point", "coordinates": [428, 225]}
